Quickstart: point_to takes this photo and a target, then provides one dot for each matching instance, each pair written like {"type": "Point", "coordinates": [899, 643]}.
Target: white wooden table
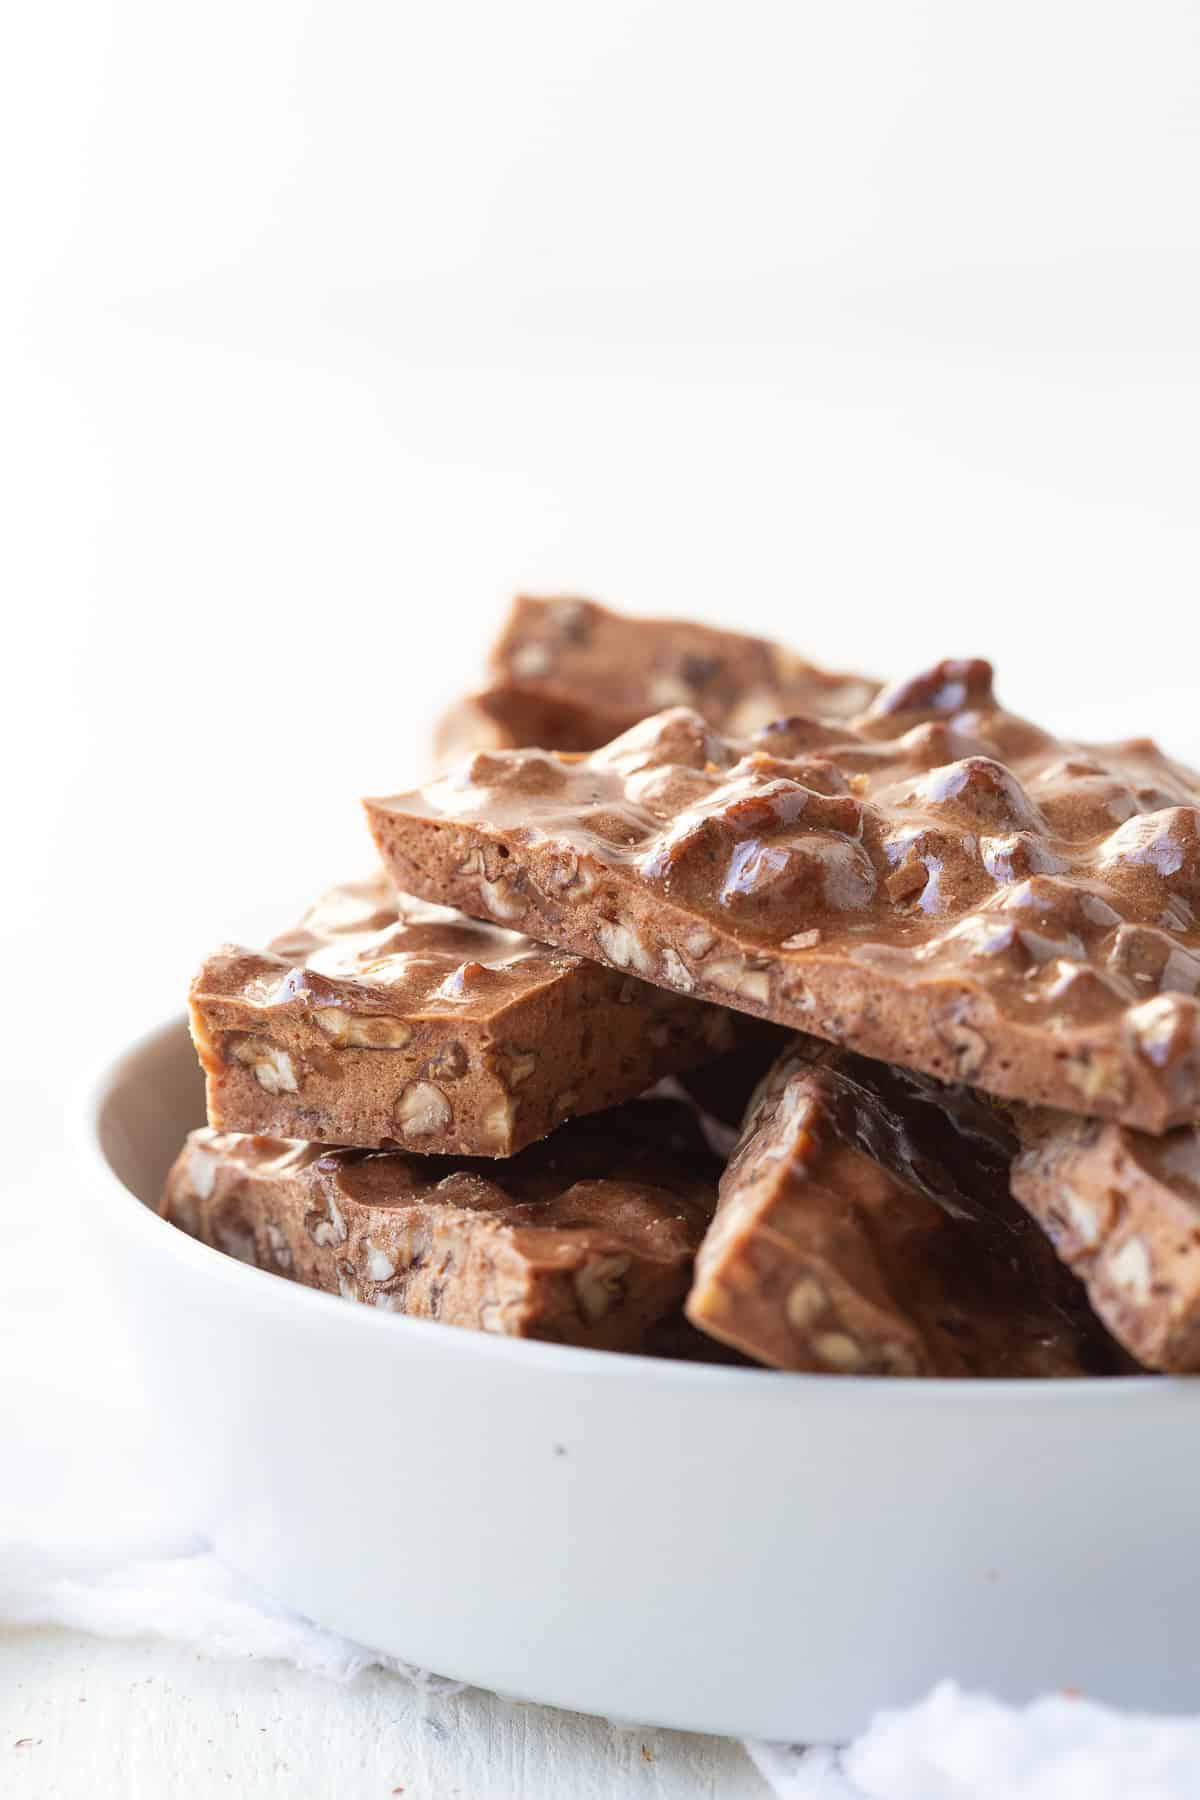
{"type": "Point", "coordinates": [86, 1719]}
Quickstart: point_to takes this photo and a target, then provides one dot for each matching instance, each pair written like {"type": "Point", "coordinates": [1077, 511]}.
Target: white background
{"type": "Point", "coordinates": [874, 326]}
{"type": "Point", "coordinates": [327, 326]}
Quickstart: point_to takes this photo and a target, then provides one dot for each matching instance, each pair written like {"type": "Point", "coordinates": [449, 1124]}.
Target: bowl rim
{"type": "Point", "coordinates": [277, 1294]}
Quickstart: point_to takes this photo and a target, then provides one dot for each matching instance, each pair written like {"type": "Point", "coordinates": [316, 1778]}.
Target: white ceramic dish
{"type": "Point", "coordinates": [720, 1549]}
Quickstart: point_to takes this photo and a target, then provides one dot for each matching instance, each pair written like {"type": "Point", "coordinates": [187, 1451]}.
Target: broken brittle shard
{"type": "Point", "coordinates": [938, 884]}
{"type": "Point", "coordinates": [385, 1021]}
{"type": "Point", "coordinates": [1122, 1209]}
{"type": "Point", "coordinates": [586, 1238]}
{"type": "Point", "coordinates": [865, 1227]}
{"type": "Point", "coordinates": [567, 674]}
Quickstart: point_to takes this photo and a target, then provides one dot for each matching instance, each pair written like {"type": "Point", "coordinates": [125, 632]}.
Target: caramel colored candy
{"type": "Point", "coordinates": [383, 1021]}
{"type": "Point", "coordinates": [586, 1238]}
{"type": "Point", "coordinates": [1123, 1211]}
{"type": "Point", "coordinates": [865, 1227]}
{"type": "Point", "coordinates": [937, 884]}
{"type": "Point", "coordinates": [567, 674]}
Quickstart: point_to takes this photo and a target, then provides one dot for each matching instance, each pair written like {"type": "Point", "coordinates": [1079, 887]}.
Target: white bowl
{"type": "Point", "coordinates": [713, 1548]}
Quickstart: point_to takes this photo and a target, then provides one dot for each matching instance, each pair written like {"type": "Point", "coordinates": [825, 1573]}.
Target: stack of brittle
{"type": "Point", "coordinates": [710, 1004]}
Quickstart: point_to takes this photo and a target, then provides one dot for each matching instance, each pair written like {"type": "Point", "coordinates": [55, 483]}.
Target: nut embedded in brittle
{"type": "Point", "coordinates": [423, 1111]}
{"type": "Point", "coordinates": [370, 1031]}
{"type": "Point", "coordinates": [270, 1066]}
{"type": "Point", "coordinates": [621, 946]}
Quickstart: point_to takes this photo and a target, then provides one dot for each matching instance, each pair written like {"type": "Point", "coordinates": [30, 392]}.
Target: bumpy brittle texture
{"type": "Point", "coordinates": [585, 1239]}
{"type": "Point", "coordinates": [1122, 1209]}
{"type": "Point", "coordinates": [567, 674]}
{"type": "Point", "coordinates": [938, 884]}
{"type": "Point", "coordinates": [865, 1227]}
{"type": "Point", "coordinates": [384, 1021]}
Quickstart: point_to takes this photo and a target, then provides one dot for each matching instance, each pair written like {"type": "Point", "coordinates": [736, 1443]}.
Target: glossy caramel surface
{"type": "Point", "coordinates": [1037, 899]}
{"type": "Point", "coordinates": [367, 948]}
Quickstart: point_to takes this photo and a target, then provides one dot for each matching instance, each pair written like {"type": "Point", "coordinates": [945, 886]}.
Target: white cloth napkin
{"type": "Point", "coordinates": [958, 1746]}
{"type": "Point", "coordinates": [176, 1588]}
